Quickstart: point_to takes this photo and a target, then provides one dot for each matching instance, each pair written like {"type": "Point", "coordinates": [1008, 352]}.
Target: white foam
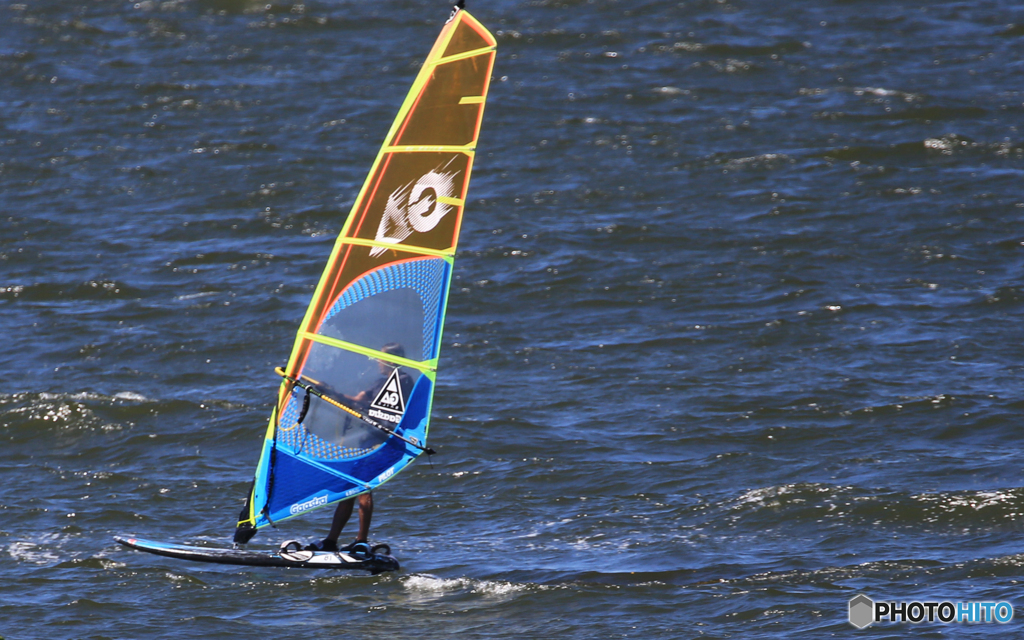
{"type": "Point", "coordinates": [83, 395]}
{"type": "Point", "coordinates": [976, 501]}
{"type": "Point", "coordinates": [877, 91]}
{"type": "Point", "coordinates": [130, 395]}
{"type": "Point", "coordinates": [32, 553]}
{"type": "Point", "coordinates": [671, 91]}
{"type": "Point", "coordinates": [193, 296]}
{"type": "Point", "coordinates": [434, 585]}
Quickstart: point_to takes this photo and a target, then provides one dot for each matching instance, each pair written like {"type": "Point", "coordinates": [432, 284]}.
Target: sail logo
{"type": "Point", "coordinates": [389, 400]}
{"type": "Point", "coordinates": [299, 507]}
{"type": "Point", "coordinates": [416, 207]}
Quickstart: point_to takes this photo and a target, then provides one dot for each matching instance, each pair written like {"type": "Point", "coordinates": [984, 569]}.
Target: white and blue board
{"type": "Point", "coordinates": [284, 557]}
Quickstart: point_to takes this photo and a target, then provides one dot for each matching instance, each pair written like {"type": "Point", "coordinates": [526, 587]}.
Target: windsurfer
{"type": "Point", "coordinates": [368, 397]}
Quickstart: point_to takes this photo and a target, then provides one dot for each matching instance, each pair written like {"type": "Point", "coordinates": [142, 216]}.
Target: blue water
{"type": "Point", "coordinates": [734, 336]}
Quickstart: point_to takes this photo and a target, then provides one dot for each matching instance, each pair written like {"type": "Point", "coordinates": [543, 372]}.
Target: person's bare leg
{"type": "Point", "coordinates": [365, 515]}
{"type": "Point", "coordinates": [341, 516]}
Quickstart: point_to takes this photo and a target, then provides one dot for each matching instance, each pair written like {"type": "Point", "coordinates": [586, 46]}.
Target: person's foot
{"type": "Point", "coordinates": [358, 548]}
{"type": "Point", "coordinates": [324, 545]}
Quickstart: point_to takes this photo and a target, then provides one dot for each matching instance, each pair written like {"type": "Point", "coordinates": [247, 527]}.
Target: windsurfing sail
{"type": "Point", "coordinates": [353, 407]}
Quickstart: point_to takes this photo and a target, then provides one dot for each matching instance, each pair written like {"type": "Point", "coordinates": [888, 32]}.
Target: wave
{"type": "Point", "coordinates": [51, 291]}
{"type": "Point", "coordinates": [434, 585]}
{"type": "Point", "coordinates": [823, 503]}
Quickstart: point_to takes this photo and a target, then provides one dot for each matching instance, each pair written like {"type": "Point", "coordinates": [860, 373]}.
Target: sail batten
{"type": "Point", "coordinates": [436, 148]}
{"type": "Point", "coordinates": [444, 253]}
{"type": "Point", "coordinates": [353, 409]}
{"type": "Point", "coordinates": [462, 56]}
{"type": "Point", "coordinates": [430, 365]}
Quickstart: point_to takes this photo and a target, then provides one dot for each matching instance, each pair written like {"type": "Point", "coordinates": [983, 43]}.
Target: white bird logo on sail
{"type": "Point", "coordinates": [415, 206]}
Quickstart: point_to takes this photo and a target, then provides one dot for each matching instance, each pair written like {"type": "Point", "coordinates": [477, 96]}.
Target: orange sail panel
{"type": "Point", "coordinates": [354, 407]}
{"type": "Point", "coordinates": [413, 198]}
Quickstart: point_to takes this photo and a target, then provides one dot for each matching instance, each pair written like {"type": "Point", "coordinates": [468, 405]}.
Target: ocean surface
{"type": "Point", "coordinates": [735, 333]}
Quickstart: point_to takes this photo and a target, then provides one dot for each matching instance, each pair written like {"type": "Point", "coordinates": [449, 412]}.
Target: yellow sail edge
{"type": "Point", "coordinates": [268, 436]}
{"type": "Point", "coordinates": [424, 75]}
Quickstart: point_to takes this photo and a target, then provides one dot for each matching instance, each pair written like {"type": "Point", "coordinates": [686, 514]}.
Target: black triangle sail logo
{"type": "Point", "coordinates": [389, 398]}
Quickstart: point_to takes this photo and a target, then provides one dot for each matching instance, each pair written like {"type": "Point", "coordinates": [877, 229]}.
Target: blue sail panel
{"type": "Point", "coordinates": [311, 466]}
